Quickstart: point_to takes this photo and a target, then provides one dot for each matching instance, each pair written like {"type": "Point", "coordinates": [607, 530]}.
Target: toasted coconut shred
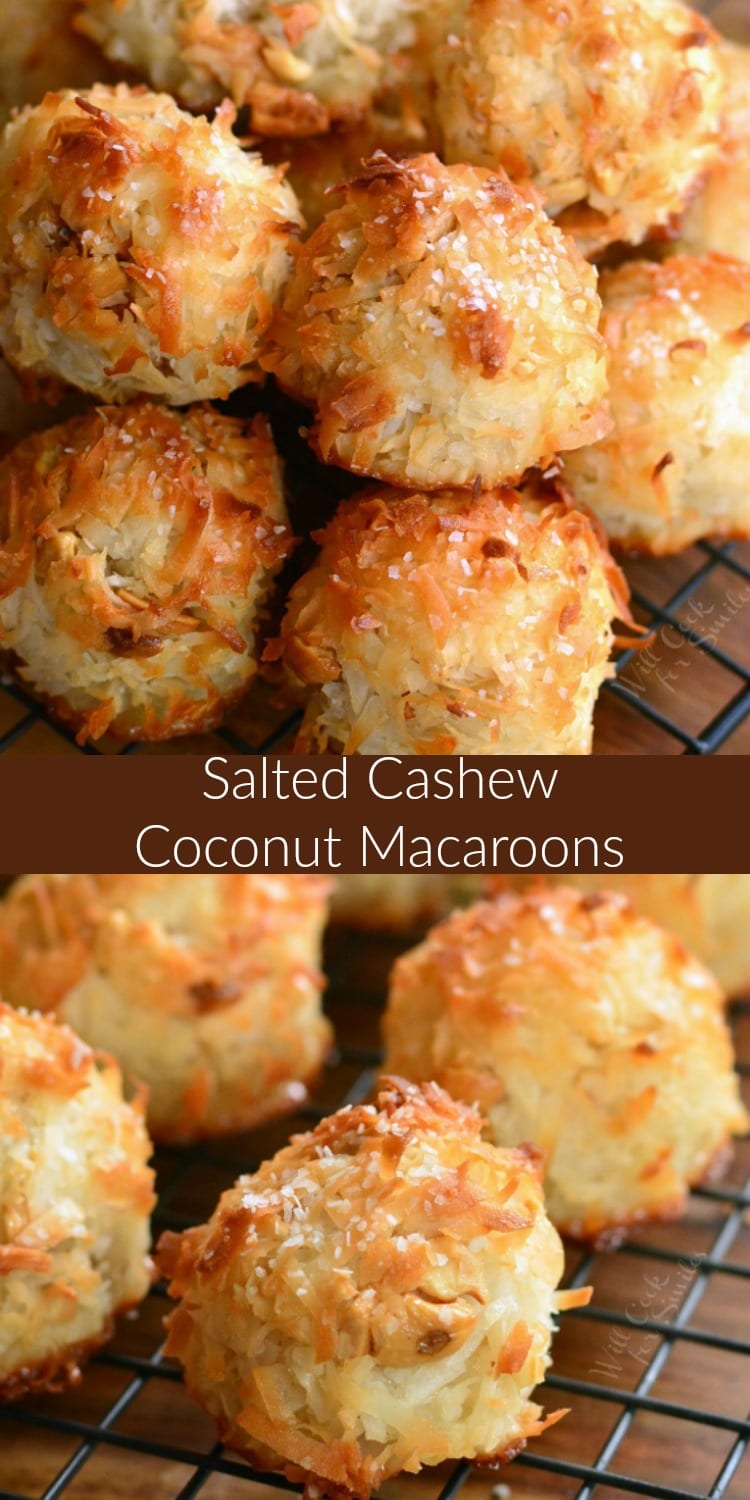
{"type": "Point", "coordinates": [141, 250]}
{"type": "Point", "coordinates": [586, 1028]}
{"type": "Point", "coordinates": [674, 467]}
{"type": "Point", "coordinates": [442, 329]}
{"type": "Point", "coordinates": [708, 912]}
{"type": "Point", "coordinates": [378, 1297]}
{"type": "Point", "coordinates": [441, 624]}
{"type": "Point", "coordinates": [206, 987]}
{"type": "Point", "coordinates": [137, 550]}
{"type": "Point", "coordinates": [300, 66]}
{"type": "Point", "coordinates": [612, 111]}
{"type": "Point", "coordinates": [718, 218]}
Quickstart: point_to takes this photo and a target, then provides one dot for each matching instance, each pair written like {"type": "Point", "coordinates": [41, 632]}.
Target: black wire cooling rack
{"type": "Point", "coordinates": [687, 691]}
{"type": "Point", "coordinates": [656, 1371]}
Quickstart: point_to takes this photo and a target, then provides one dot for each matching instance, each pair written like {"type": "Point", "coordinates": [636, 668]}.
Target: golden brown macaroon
{"type": "Point", "coordinates": [581, 1026]}
{"type": "Point", "coordinates": [378, 1298]}
{"type": "Point", "coordinates": [452, 624]}
{"type": "Point", "coordinates": [612, 110]}
{"type": "Point", "coordinates": [40, 49]}
{"type": "Point", "coordinates": [676, 464]}
{"type": "Point", "coordinates": [442, 329]}
{"type": "Point", "coordinates": [75, 1197]}
{"type": "Point", "coordinates": [205, 987]}
{"type": "Point", "coordinates": [298, 68]}
{"type": "Point", "coordinates": [398, 903]}
{"type": "Point", "coordinates": [141, 250]}
{"type": "Point", "coordinates": [138, 548]}
{"type": "Point", "coordinates": [710, 913]}
{"type": "Point", "coordinates": [719, 217]}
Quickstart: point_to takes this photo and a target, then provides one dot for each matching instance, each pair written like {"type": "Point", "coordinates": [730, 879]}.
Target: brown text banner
{"type": "Point", "coordinates": [380, 814]}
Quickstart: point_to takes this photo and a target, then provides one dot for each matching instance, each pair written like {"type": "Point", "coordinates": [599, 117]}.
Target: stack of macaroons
{"type": "Point", "coordinates": [378, 1296]}
{"type": "Point", "coordinates": [427, 296]}
{"type": "Point", "coordinates": [206, 988]}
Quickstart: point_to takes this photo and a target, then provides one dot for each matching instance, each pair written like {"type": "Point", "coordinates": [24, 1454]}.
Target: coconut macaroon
{"type": "Point", "coordinates": [452, 623]}
{"type": "Point", "coordinates": [205, 987]}
{"type": "Point", "coordinates": [719, 217]}
{"type": "Point", "coordinates": [141, 250]}
{"type": "Point", "coordinates": [611, 110]}
{"type": "Point", "coordinates": [378, 1298]}
{"type": "Point", "coordinates": [75, 1197]}
{"type": "Point", "coordinates": [297, 68]}
{"type": "Point", "coordinates": [398, 903]}
{"type": "Point", "coordinates": [138, 547]}
{"type": "Point", "coordinates": [675, 466]}
{"type": "Point", "coordinates": [442, 329]}
{"type": "Point", "coordinates": [581, 1026]}
{"type": "Point", "coordinates": [710, 913]}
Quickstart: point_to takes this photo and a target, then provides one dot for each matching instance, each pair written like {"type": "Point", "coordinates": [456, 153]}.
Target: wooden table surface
{"type": "Point", "coordinates": [631, 1285]}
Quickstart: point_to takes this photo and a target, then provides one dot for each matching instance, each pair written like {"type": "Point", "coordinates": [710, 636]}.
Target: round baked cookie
{"type": "Point", "coordinates": [134, 575]}
{"type": "Point", "coordinates": [398, 903]}
{"type": "Point", "coordinates": [141, 250]}
{"type": "Point", "coordinates": [75, 1197]}
{"type": "Point", "coordinates": [448, 623]}
{"type": "Point", "coordinates": [612, 110]}
{"type": "Point", "coordinates": [674, 467]}
{"type": "Point", "coordinates": [442, 329]}
{"type": "Point", "coordinates": [298, 68]}
{"type": "Point", "coordinates": [378, 1298]}
{"type": "Point", "coordinates": [710, 913]}
{"type": "Point", "coordinates": [205, 987]}
{"type": "Point", "coordinates": [719, 217]}
{"type": "Point", "coordinates": [585, 1028]}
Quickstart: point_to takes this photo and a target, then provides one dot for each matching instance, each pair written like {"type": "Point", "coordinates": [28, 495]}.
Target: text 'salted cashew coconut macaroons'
{"type": "Point", "coordinates": [612, 110]}
{"type": "Point", "coordinates": [299, 68]}
{"type": "Point", "coordinates": [138, 548]}
{"type": "Point", "coordinates": [674, 467]}
{"type": "Point", "coordinates": [76, 1193]}
{"type": "Point", "coordinates": [442, 329]}
{"type": "Point", "coordinates": [711, 913]}
{"type": "Point", "coordinates": [378, 1298]}
{"type": "Point", "coordinates": [141, 250]}
{"type": "Point", "coordinates": [205, 987]}
{"type": "Point", "coordinates": [585, 1028]}
{"type": "Point", "coordinates": [718, 218]}
{"type": "Point", "coordinates": [442, 624]}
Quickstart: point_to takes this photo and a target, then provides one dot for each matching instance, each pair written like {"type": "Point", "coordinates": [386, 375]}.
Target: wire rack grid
{"type": "Point", "coordinates": [656, 1371]}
